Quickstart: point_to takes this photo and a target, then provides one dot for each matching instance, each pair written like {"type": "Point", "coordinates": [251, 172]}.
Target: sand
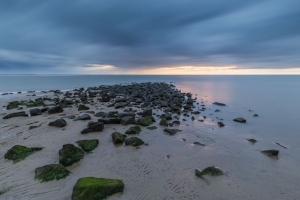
{"type": "Point", "coordinates": [165, 169]}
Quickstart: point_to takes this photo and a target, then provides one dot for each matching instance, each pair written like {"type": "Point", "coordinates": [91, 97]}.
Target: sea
{"type": "Point", "coordinates": [274, 98]}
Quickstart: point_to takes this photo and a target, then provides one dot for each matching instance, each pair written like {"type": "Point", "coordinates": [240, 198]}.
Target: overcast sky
{"type": "Point", "coordinates": [137, 36]}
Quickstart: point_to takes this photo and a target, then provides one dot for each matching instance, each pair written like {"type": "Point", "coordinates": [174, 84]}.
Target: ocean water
{"type": "Point", "coordinates": [274, 98]}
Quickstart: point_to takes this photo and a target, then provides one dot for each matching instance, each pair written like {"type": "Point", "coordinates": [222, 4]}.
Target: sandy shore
{"type": "Point", "coordinates": [165, 169]}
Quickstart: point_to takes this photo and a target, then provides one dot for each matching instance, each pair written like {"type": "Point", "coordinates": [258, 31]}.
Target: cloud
{"type": "Point", "coordinates": [58, 36]}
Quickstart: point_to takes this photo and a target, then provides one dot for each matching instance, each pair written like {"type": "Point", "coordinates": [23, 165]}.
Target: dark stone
{"type": "Point", "coordinates": [120, 105]}
{"type": "Point", "coordinates": [240, 120]}
{"type": "Point", "coordinates": [83, 107]}
{"type": "Point", "coordinates": [252, 140]}
{"type": "Point", "coordinates": [16, 114]}
{"type": "Point", "coordinates": [176, 122]}
{"type": "Point", "coordinates": [70, 154]}
{"type": "Point", "coordinates": [217, 110]}
{"type": "Point", "coordinates": [163, 122]}
{"type": "Point", "coordinates": [44, 109]}
{"type": "Point", "coordinates": [213, 171]}
{"type": "Point", "coordinates": [58, 123]}
{"type": "Point", "coordinates": [147, 112]}
{"type": "Point", "coordinates": [221, 124]}
{"type": "Point", "coordinates": [118, 137]}
{"type": "Point", "coordinates": [219, 104]}
{"type": "Point", "coordinates": [270, 153]}
{"type": "Point", "coordinates": [195, 112]}
{"type": "Point", "coordinates": [151, 127]}
{"type": "Point", "coordinates": [12, 105]}
{"type": "Point", "coordinates": [83, 117]}
{"type": "Point", "coordinates": [255, 115]}
{"type": "Point", "coordinates": [189, 101]}
{"type": "Point", "coordinates": [110, 120]}
{"type": "Point", "coordinates": [133, 141]}
{"type": "Point", "coordinates": [124, 114]}
{"type": "Point", "coordinates": [93, 128]}
{"type": "Point", "coordinates": [127, 120]}
{"type": "Point", "coordinates": [56, 109]}
{"type": "Point", "coordinates": [199, 143]}
{"type": "Point", "coordinates": [134, 130]}
{"type": "Point", "coordinates": [171, 131]}
{"type": "Point", "coordinates": [100, 114]}
{"type": "Point", "coordinates": [35, 111]}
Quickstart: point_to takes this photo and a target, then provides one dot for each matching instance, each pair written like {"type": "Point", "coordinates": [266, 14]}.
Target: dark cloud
{"type": "Point", "coordinates": [54, 36]}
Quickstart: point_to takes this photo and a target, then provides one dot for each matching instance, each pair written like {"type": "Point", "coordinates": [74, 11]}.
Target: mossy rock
{"type": "Point", "coordinates": [70, 154]}
{"type": "Point", "coordinates": [88, 145]}
{"type": "Point", "coordinates": [90, 188]}
{"type": "Point", "coordinates": [30, 104]}
{"type": "Point", "coordinates": [17, 114]}
{"type": "Point", "coordinates": [133, 130]}
{"type": "Point", "coordinates": [18, 153]}
{"type": "Point", "coordinates": [118, 137]}
{"type": "Point", "coordinates": [51, 172]}
{"type": "Point", "coordinates": [213, 171]}
{"type": "Point", "coordinates": [12, 105]}
{"type": "Point", "coordinates": [146, 121]}
{"type": "Point", "coordinates": [134, 141]}
{"type": "Point", "coordinates": [152, 127]}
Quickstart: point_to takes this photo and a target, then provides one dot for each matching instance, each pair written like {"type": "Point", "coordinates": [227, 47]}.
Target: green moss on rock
{"type": "Point", "coordinates": [134, 141]}
{"type": "Point", "coordinates": [134, 130]}
{"type": "Point", "coordinates": [146, 121]}
{"type": "Point", "coordinates": [213, 171]}
{"type": "Point", "coordinates": [30, 104]}
{"type": "Point", "coordinates": [70, 154]}
{"type": "Point", "coordinates": [90, 188]}
{"type": "Point", "coordinates": [118, 137]}
{"type": "Point", "coordinates": [51, 172]}
{"type": "Point", "coordinates": [88, 145]}
{"type": "Point", "coordinates": [18, 153]}
{"type": "Point", "coordinates": [17, 114]}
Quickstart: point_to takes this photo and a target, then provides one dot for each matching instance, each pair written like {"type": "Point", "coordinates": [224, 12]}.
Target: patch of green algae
{"type": "Point", "coordinates": [88, 145]}
{"type": "Point", "coordinates": [18, 152]}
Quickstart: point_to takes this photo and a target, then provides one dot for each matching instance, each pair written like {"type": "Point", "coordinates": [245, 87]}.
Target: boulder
{"type": "Point", "coordinates": [166, 116]}
{"type": "Point", "coordinates": [133, 130]}
{"type": "Point", "coordinates": [271, 153]}
{"type": "Point", "coordinates": [118, 137]}
{"type": "Point", "coordinates": [147, 112]}
{"type": "Point", "coordinates": [110, 120]}
{"type": "Point", "coordinates": [12, 105]}
{"type": "Point", "coordinates": [240, 120]}
{"type": "Point", "coordinates": [58, 123]}
{"type": "Point", "coordinates": [44, 109]}
{"type": "Point", "coordinates": [83, 117]}
{"type": "Point", "coordinates": [82, 107]}
{"type": "Point", "coordinates": [171, 131]}
{"type": "Point", "coordinates": [35, 111]}
{"type": "Point", "coordinates": [90, 188]}
{"type": "Point", "coordinates": [16, 114]}
{"type": "Point", "coordinates": [105, 98]}
{"type": "Point", "coordinates": [127, 120]}
{"type": "Point", "coordinates": [189, 101]}
{"type": "Point", "coordinates": [70, 154]}
{"type": "Point", "coordinates": [100, 114]}
{"type": "Point", "coordinates": [18, 152]}
{"type": "Point", "coordinates": [120, 105]}
{"type": "Point", "coordinates": [163, 122]}
{"type": "Point", "coordinates": [51, 172]}
{"type": "Point", "coordinates": [213, 171]}
{"type": "Point", "coordinates": [146, 121]}
{"type": "Point", "coordinates": [124, 114]}
{"type": "Point", "coordinates": [99, 126]}
{"type": "Point", "coordinates": [221, 124]}
{"type": "Point", "coordinates": [133, 141]}
{"type": "Point", "coordinates": [88, 145]}
{"type": "Point", "coordinates": [56, 109]}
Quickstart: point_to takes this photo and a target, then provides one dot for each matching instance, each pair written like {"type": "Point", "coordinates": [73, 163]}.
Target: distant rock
{"type": "Point", "coordinates": [133, 141]}
{"type": "Point", "coordinates": [83, 107]}
{"type": "Point", "coordinates": [199, 143]}
{"type": "Point", "coordinates": [219, 104]}
{"type": "Point", "coordinates": [35, 111]}
{"type": "Point", "coordinates": [255, 115]}
{"type": "Point", "coordinates": [271, 153]}
{"type": "Point", "coordinates": [240, 120]}
{"type": "Point", "coordinates": [16, 114]}
{"type": "Point", "coordinates": [118, 137]}
{"type": "Point", "coordinates": [252, 140]}
{"type": "Point", "coordinates": [221, 124]}
{"type": "Point", "coordinates": [56, 109]}
{"type": "Point", "coordinates": [58, 123]}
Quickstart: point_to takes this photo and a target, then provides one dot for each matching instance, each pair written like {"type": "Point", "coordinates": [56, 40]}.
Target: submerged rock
{"type": "Point", "coordinates": [133, 141]}
{"type": "Point", "coordinates": [56, 109]}
{"type": "Point", "coordinates": [16, 114]}
{"type": "Point", "coordinates": [213, 171]}
{"type": "Point", "coordinates": [221, 124]}
{"type": "Point", "coordinates": [252, 140]}
{"type": "Point", "coordinates": [90, 188]}
{"type": "Point", "coordinates": [18, 152]}
{"type": "Point", "coordinates": [118, 137]}
{"type": "Point", "coordinates": [94, 127]}
{"type": "Point", "coordinates": [271, 153]}
{"type": "Point", "coordinates": [219, 104]}
{"type": "Point", "coordinates": [58, 123]}
{"type": "Point", "coordinates": [51, 172]}
{"type": "Point", "coordinates": [171, 131]}
{"type": "Point", "coordinates": [240, 120]}
{"type": "Point", "coordinates": [70, 154]}
{"type": "Point", "coordinates": [88, 145]}
{"type": "Point", "coordinates": [133, 130]}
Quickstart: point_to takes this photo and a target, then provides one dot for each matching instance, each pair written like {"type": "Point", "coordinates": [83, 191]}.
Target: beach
{"type": "Point", "coordinates": [165, 167]}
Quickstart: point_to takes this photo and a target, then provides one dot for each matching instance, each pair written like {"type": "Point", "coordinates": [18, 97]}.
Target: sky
{"type": "Point", "coordinates": [150, 37]}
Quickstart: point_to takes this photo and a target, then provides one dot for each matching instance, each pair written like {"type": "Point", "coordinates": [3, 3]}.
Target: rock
{"type": "Point", "coordinates": [88, 145]}
{"type": "Point", "coordinates": [118, 137]}
{"type": "Point", "coordinates": [171, 131]}
{"type": "Point", "coordinates": [217, 110]}
{"type": "Point", "coordinates": [189, 101]}
{"type": "Point", "coordinates": [163, 122]}
{"type": "Point", "coordinates": [90, 188]}
{"type": "Point", "coordinates": [18, 152]}
{"type": "Point", "coordinates": [221, 124]}
{"type": "Point", "coordinates": [166, 116]}
{"type": "Point", "coordinates": [176, 122]}
{"type": "Point", "coordinates": [213, 171]}
{"type": "Point", "coordinates": [255, 115]}
{"type": "Point", "coordinates": [147, 112]}
{"type": "Point", "coordinates": [56, 109]}
{"type": "Point", "coordinates": [100, 114]}
{"type": "Point", "coordinates": [196, 112]}
{"type": "Point", "coordinates": [120, 105]}
{"type": "Point", "coordinates": [133, 130]}
{"type": "Point", "coordinates": [16, 114]}
{"type": "Point", "coordinates": [12, 105]}
{"type": "Point", "coordinates": [252, 140]}
{"type": "Point", "coordinates": [271, 153]}
{"type": "Point", "coordinates": [99, 126]}
{"type": "Point", "coordinates": [193, 118]}
{"type": "Point", "coordinates": [146, 121]}
{"type": "Point", "coordinates": [124, 114]}
{"type": "Point", "coordinates": [51, 172]}
{"type": "Point", "coordinates": [133, 141]}
{"type": "Point", "coordinates": [83, 117]}
{"type": "Point", "coordinates": [105, 98]}
{"type": "Point", "coordinates": [83, 107]}
{"type": "Point", "coordinates": [199, 143]}
{"type": "Point", "coordinates": [58, 123]}
{"type": "Point", "coordinates": [151, 127]}
{"type": "Point", "coordinates": [44, 109]}
{"type": "Point", "coordinates": [240, 120]}
{"type": "Point", "coordinates": [70, 154]}
{"type": "Point", "coordinates": [127, 120]}
{"type": "Point", "coordinates": [219, 104]}
{"type": "Point", "coordinates": [164, 104]}
{"type": "Point", "coordinates": [35, 111]}
{"type": "Point", "coordinates": [110, 120]}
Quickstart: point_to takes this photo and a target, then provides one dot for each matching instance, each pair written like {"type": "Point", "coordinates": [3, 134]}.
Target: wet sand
{"type": "Point", "coordinates": [165, 169]}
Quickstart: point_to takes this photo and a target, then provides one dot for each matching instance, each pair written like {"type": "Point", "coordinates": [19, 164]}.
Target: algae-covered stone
{"type": "Point", "coordinates": [17, 114]}
{"type": "Point", "coordinates": [133, 130]}
{"type": "Point", "coordinates": [12, 105]}
{"type": "Point", "coordinates": [134, 141]}
{"type": "Point", "coordinates": [213, 171]}
{"type": "Point", "coordinates": [70, 154]}
{"type": "Point", "coordinates": [88, 145]}
{"type": "Point", "coordinates": [118, 137]}
{"type": "Point", "coordinates": [91, 188]}
{"type": "Point", "coordinates": [51, 172]}
{"type": "Point", "coordinates": [146, 121]}
{"type": "Point", "coordinates": [18, 152]}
